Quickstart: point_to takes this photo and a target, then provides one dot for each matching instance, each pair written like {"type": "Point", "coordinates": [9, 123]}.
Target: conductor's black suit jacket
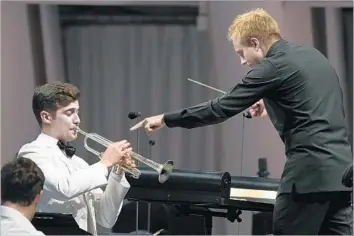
{"type": "Point", "coordinates": [304, 101]}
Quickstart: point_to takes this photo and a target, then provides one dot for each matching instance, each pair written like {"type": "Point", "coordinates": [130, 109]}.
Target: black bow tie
{"type": "Point", "coordinates": [69, 150]}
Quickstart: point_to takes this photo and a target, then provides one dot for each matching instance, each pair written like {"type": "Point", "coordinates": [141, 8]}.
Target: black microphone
{"type": "Point", "coordinates": [262, 168]}
{"type": "Point", "coordinates": [134, 114]}
{"type": "Point", "coordinates": [152, 142]}
{"type": "Point", "coordinates": [247, 114]}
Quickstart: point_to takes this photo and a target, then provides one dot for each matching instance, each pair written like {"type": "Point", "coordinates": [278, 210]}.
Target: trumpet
{"type": "Point", "coordinates": [164, 170]}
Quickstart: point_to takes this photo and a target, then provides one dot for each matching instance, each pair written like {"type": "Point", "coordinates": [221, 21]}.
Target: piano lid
{"type": "Point", "coordinates": [260, 183]}
{"type": "Point", "coordinates": [184, 180]}
{"type": "Point", "coordinates": [254, 189]}
{"type": "Point", "coordinates": [204, 188]}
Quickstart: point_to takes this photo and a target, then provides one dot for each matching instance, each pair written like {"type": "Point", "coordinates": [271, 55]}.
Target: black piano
{"type": "Point", "coordinates": [203, 193]}
{"type": "Point", "coordinates": [200, 194]}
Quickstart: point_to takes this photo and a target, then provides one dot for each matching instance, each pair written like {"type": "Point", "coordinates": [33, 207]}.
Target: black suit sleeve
{"type": "Point", "coordinates": [259, 81]}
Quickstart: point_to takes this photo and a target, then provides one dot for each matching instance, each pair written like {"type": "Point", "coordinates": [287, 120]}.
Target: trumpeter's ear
{"type": "Point", "coordinates": [46, 117]}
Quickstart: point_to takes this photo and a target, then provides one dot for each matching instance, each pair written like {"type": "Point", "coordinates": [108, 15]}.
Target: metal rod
{"type": "Point", "coordinates": [197, 82]}
{"type": "Point", "coordinates": [151, 143]}
{"type": "Point", "coordinates": [137, 202]}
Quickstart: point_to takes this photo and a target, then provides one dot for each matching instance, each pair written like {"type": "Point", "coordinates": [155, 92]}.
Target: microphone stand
{"type": "Point", "coordinates": [132, 116]}
{"type": "Point", "coordinates": [151, 143]}
{"type": "Point", "coordinates": [137, 202]}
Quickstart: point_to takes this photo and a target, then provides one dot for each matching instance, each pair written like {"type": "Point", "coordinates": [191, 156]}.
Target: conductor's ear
{"type": "Point", "coordinates": [255, 43]}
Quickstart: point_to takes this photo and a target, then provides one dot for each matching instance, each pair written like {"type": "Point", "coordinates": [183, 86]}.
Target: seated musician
{"type": "Point", "coordinates": [72, 186]}
{"type": "Point", "coordinates": [21, 190]}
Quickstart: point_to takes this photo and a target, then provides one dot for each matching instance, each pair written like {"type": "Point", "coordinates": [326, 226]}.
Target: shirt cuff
{"type": "Point", "coordinates": [171, 118]}
{"type": "Point", "coordinates": [120, 179]}
{"type": "Point", "coordinates": [103, 168]}
{"type": "Point", "coordinates": [118, 170]}
{"type": "Point", "coordinates": [117, 176]}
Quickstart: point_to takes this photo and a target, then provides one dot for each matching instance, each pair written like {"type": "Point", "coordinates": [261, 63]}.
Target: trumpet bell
{"type": "Point", "coordinates": [166, 171]}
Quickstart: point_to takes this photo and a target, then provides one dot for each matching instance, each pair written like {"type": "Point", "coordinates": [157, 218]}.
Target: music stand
{"type": "Point", "coordinates": [57, 224]}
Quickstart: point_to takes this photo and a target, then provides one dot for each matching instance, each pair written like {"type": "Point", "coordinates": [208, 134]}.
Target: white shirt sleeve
{"type": "Point", "coordinates": [108, 204]}
{"type": "Point", "coordinates": [66, 185]}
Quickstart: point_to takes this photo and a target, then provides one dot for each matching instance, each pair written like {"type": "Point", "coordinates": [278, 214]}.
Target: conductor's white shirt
{"type": "Point", "coordinates": [16, 224]}
{"type": "Point", "coordinates": [73, 187]}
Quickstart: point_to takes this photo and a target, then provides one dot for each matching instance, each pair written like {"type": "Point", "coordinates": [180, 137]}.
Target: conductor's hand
{"type": "Point", "coordinates": [116, 153]}
{"type": "Point", "coordinates": [153, 123]}
{"type": "Point", "coordinates": [258, 109]}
